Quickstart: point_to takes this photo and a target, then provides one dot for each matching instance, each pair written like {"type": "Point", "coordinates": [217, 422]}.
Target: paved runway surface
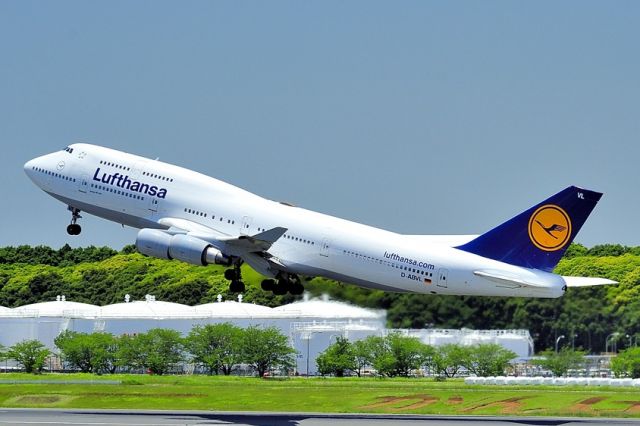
{"type": "Point", "coordinates": [20, 417]}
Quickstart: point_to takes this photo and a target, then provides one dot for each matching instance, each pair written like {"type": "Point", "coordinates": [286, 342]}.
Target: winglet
{"type": "Point", "coordinates": [537, 238]}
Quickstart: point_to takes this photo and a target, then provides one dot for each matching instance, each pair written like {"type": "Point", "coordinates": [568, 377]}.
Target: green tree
{"type": "Point", "coordinates": [157, 350]}
{"type": "Point", "coordinates": [381, 359]}
{"type": "Point", "coordinates": [398, 355]}
{"type": "Point", "coordinates": [450, 358]}
{"type": "Point", "coordinates": [559, 363]}
{"type": "Point", "coordinates": [90, 353]}
{"type": "Point", "coordinates": [217, 347]}
{"type": "Point", "coordinates": [408, 353]}
{"type": "Point", "coordinates": [337, 359]}
{"type": "Point", "coordinates": [266, 348]}
{"type": "Point", "coordinates": [30, 354]}
{"type": "Point", "coordinates": [488, 359]}
{"type": "Point", "coordinates": [627, 363]}
{"type": "Point", "coordinates": [362, 355]}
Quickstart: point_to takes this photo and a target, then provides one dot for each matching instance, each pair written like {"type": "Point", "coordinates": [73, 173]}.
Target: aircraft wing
{"type": "Point", "coordinates": [586, 281]}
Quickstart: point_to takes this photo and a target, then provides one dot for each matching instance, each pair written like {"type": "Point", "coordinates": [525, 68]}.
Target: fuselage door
{"type": "Point", "coordinates": [325, 245]}
{"type": "Point", "coordinates": [443, 274]}
{"type": "Point", "coordinates": [153, 204]}
{"type": "Point", "coordinates": [245, 228]}
{"type": "Point", "coordinates": [136, 170]}
{"type": "Point", "coordinates": [83, 183]}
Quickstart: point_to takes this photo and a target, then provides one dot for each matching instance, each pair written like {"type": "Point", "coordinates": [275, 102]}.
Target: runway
{"type": "Point", "coordinates": [20, 417]}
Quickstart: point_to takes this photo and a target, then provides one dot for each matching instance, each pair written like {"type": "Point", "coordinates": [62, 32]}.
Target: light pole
{"type": "Point", "coordinates": [606, 341]}
{"type": "Point", "coordinates": [558, 341]}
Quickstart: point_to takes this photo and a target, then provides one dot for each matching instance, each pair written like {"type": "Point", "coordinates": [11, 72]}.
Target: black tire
{"type": "Point", "coordinates": [279, 289]}
{"type": "Point", "coordinates": [236, 286]}
{"type": "Point", "coordinates": [73, 229]}
{"type": "Point", "coordinates": [296, 289]}
{"type": "Point", "coordinates": [268, 285]}
{"type": "Point", "coordinates": [230, 274]}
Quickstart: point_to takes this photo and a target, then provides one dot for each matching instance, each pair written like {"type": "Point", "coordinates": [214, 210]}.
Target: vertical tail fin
{"type": "Point", "coordinates": [538, 237]}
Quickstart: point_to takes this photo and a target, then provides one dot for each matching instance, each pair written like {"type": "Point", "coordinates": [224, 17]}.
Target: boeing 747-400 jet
{"type": "Point", "coordinates": [187, 216]}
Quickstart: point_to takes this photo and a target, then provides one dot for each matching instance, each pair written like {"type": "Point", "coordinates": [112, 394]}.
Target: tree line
{"type": "Point", "coordinates": [585, 316]}
{"type": "Point", "coordinates": [215, 348]}
{"type": "Point", "coordinates": [396, 355]}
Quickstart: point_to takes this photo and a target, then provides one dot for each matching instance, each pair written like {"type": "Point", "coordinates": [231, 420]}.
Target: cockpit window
{"type": "Point", "coordinates": [69, 150]}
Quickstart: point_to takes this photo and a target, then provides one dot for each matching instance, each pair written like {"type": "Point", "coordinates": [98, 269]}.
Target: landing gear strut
{"type": "Point", "coordinates": [74, 228]}
{"type": "Point", "coordinates": [235, 276]}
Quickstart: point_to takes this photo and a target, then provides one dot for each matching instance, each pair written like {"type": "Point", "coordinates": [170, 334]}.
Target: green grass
{"type": "Point", "coordinates": [408, 396]}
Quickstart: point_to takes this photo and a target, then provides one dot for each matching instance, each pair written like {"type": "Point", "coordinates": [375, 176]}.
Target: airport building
{"type": "Point", "coordinates": [311, 324]}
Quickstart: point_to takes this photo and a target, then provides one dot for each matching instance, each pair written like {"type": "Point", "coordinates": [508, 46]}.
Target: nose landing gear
{"type": "Point", "coordinates": [74, 228]}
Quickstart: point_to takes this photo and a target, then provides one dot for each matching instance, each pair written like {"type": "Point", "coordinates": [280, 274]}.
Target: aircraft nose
{"type": "Point", "coordinates": [34, 168]}
{"type": "Point", "coordinates": [29, 167]}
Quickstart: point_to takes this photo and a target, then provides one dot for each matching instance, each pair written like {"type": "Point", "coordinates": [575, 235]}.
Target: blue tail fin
{"type": "Point", "coordinates": [538, 237]}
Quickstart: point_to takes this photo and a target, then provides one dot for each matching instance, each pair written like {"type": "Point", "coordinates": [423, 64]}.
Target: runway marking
{"type": "Point", "coordinates": [386, 401]}
{"type": "Point", "coordinates": [509, 405]}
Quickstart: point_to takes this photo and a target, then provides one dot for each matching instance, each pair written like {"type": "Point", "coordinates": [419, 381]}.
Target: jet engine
{"type": "Point", "coordinates": [156, 243]}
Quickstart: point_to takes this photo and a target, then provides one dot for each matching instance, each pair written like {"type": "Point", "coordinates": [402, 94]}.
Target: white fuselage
{"type": "Point", "coordinates": [102, 182]}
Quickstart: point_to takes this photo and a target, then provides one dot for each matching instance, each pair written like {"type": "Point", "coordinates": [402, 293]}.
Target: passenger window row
{"type": "Point", "coordinates": [386, 262]}
{"type": "Point", "coordinates": [117, 166]}
{"type": "Point", "coordinates": [153, 175]}
{"type": "Point", "coordinates": [117, 191]}
{"type": "Point", "coordinates": [54, 174]}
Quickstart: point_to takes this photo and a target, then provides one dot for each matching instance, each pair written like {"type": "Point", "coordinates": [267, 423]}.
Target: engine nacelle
{"type": "Point", "coordinates": [156, 243]}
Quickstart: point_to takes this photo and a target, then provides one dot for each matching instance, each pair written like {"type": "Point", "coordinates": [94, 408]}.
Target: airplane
{"type": "Point", "coordinates": [188, 216]}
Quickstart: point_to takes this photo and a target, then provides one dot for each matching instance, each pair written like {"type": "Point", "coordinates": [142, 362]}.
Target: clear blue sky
{"type": "Point", "coordinates": [420, 117]}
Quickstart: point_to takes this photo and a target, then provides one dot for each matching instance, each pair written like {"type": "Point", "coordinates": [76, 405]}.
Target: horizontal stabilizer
{"type": "Point", "coordinates": [509, 280]}
{"type": "Point", "coordinates": [586, 281]}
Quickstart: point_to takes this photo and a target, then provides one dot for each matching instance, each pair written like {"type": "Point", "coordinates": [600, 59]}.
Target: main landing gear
{"type": "Point", "coordinates": [74, 228]}
{"type": "Point", "coordinates": [286, 283]}
{"type": "Point", "coordinates": [235, 276]}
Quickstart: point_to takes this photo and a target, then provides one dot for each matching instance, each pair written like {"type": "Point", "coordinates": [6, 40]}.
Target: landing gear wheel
{"type": "Point", "coordinates": [74, 229]}
{"type": "Point", "coordinates": [230, 274]}
{"type": "Point", "coordinates": [236, 287]}
{"type": "Point", "coordinates": [296, 288]}
{"type": "Point", "coordinates": [268, 285]}
{"type": "Point", "coordinates": [281, 288]}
